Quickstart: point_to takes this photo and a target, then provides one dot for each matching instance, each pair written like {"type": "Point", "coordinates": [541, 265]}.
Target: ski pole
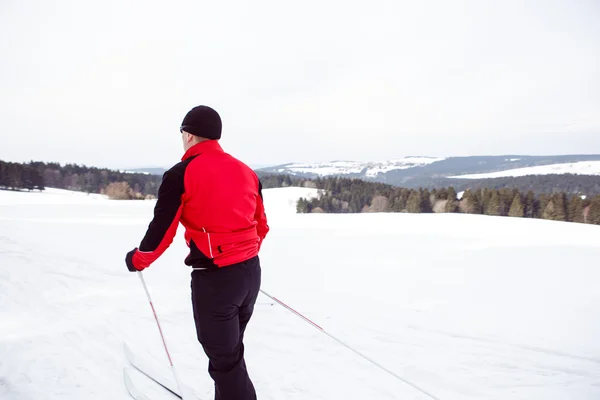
{"type": "Point", "coordinates": [161, 333]}
{"type": "Point", "coordinates": [281, 303]}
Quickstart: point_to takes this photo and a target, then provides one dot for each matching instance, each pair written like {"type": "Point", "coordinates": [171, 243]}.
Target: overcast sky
{"type": "Point", "coordinates": [107, 83]}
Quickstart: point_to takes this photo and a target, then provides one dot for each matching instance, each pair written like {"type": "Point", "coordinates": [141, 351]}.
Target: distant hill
{"type": "Point", "coordinates": [149, 170]}
{"type": "Point", "coordinates": [414, 172]}
{"type": "Point", "coordinates": [541, 174]}
{"type": "Point", "coordinates": [161, 170]}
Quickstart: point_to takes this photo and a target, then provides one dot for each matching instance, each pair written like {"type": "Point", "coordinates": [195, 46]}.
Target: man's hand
{"type": "Point", "coordinates": [129, 261]}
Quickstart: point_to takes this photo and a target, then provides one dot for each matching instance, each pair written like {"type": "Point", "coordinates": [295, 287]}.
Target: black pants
{"type": "Point", "coordinates": [223, 302]}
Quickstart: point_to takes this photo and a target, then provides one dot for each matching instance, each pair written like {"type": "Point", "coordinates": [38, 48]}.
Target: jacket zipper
{"type": "Point", "coordinates": [209, 244]}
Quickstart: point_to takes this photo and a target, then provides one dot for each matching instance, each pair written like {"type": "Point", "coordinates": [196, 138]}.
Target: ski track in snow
{"type": "Point", "coordinates": [467, 307]}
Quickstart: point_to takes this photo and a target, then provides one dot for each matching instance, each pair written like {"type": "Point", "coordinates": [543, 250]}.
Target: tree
{"type": "Point", "coordinates": [531, 205]}
{"type": "Point", "coordinates": [379, 204]}
{"type": "Point", "coordinates": [426, 206]}
{"type": "Point", "coordinates": [414, 204]}
{"type": "Point", "coordinates": [594, 211]}
{"type": "Point", "coordinates": [507, 196]}
{"type": "Point", "coordinates": [517, 209]}
{"type": "Point", "coordinates": [469, 203]}
{"type": "Point", "coordinates": [494, 204]}
{"type": "Point", "coordinates": [553, 211]}
{"type": "Point", "coordinates": [119, 191]}
{"type": "Point", "coordinates": [451, 193]}
{"type": "Point", "coordinates": [14, 176]}
{"type": "Point", "coordinates": [560, 203]}
{"type": "Point", "coordinates": [37, 179]}
{"type": "Point", "coordinates": [549, 211]}
{"type": "Point", "coordinates": [486, 197]}
{"type": "Point", "coordinates": [452, 206]}
{"type": "Point", "coordinates": [541, 205]}
{"type": "Point", "coordinates": [440, 206]}
{"type": "Point", "coordinates": [27, 178]}
{"type": "Point", "coordinates": [442, 194]}
{"type": "Point", "coordinates": [301, 205]}
{"type": "Point", "coordinates": [452, 203]}
{"type": "Point", "coordinates": [575, 209]}
{"type": "Point", "coordinates": [3, 174]}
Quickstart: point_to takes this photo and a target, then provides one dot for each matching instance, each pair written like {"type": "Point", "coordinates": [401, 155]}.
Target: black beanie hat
{"type": "Point", "coordinates": [202, 121]}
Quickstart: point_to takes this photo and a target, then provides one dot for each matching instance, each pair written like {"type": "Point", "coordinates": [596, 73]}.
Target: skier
{"type": "Point", "coordinates": [218, 199]}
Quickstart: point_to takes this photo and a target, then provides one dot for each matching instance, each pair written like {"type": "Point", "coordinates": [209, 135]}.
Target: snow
{"type": "Point", "coordinates": [48, 196]}
{"type": "Point", "coordinates": [325, 169]}
{"type": "Point", "coordinates": [464, 306]}
{"type": "Point", "coordinates": [578, 168]}
{"type": "Point", "coordinates": [124, 171]}
{"type": "Point", "coordinates": [283, 201]}
{"type": "Point", "coordinates": [406, 163]}
{"type": "Point", "coordinates": [370, 169]}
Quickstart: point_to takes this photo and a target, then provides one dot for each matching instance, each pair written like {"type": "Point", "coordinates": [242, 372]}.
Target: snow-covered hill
{"type": "Point", "coordinates": [467, 307]}
{"type": "Point", "coordinates": [578, 168]}
{"type": "Point", "coordinates": [368, 169]}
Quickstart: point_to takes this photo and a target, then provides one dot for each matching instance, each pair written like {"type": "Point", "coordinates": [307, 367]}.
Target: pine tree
{"type": "Point", "coordinates": [594, 211]}
{"type": "Point", "coordinates": [452, 203]}
{"type": "Point", "coordinates": [554, 211]}
{"type": "Point", "coordinates": [470, 204]}
{"type": "Point", "coordinates": [355, 203]}
{"type": "Point", "coordinates": [494, 204]}
{"type": "Point", "coordinates": [451, 193]}
{"type": "Point", "coordinates": [541, 205]}
{"type": "Point", "coordinates": [442, 194]}
{"type": "Point", "coordinates": [27, 178]}
{"type": "Point", "coordinates": [507, 197]}
{"type": "Point", "coordinates": [396, 203]}
{"type": "Point", "coordinates": [560, 203]}
{"type": "Point", "coordinates": [414, 204]}
{"type": "Point", "coordinates": [379, 204]}
{"type": "Point", "coordinates": [575, 209]}
{"type": "Point", "coordinates": [3, 174]}
{"type": "Point", "coordinates": [549, 211]}
{"type": "Point", "coordinates": [14, 176]}
{"type": "Point", "coordinates": [486, 197]}
{"type": "Point", "coordinates": [452, 206]}
{"type": "Point", "coordinates": [302, 205]}
{"type": "Point", "coordinates": [531, 205]}
{"type": "Point", "coordinates": [426, 206]}
{"type": "Point", "coordinates": [517, 209]}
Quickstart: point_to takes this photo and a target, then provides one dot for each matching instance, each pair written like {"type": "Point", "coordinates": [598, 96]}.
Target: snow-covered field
{"type": "Point", "coordinates": [370, 169]}
{"type": "Point", "coordinates": [467, 307]}
{"type": "Point", "coordinates": [578, 168]}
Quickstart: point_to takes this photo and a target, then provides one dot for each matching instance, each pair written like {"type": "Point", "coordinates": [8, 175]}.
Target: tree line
{"type": "Point", "coordinates": [338, 195]}
{"type": "Point", "coordinates": [343, 195]}
{"type": "Point", "coordinates": [116, 184]}
{"type": "Point", "coordinates": [554, 183]}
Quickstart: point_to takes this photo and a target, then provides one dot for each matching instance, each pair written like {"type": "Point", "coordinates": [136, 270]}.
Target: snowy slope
{"type": "Point", "coordinates": [578, 168]}
{"type": "Point", "coordinates": [468, 307]}
{"type": "Point", "coordinates": [48, 196]}
{"type": "Point", "coordinates": [369, 169]}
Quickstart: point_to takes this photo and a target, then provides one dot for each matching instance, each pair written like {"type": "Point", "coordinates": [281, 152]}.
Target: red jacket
{"type": "Point", "coordinates": [218, 199]}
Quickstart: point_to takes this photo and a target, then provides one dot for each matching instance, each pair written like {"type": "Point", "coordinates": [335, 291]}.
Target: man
{"type": "Point", "coordinates": [218, 199]}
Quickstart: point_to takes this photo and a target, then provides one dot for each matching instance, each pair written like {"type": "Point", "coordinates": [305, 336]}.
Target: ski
{"type": "Point", "coordinates": [133, 391]}
{"type": "Point", "coordinates": [158, 375]}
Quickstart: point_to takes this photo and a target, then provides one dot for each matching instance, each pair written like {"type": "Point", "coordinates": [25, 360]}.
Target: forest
{"type": "Point", "coordinates": [116, 184]}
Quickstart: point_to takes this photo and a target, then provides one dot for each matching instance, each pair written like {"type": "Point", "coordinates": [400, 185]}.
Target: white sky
{"type": "Point", "coordinates": [107, 83]}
